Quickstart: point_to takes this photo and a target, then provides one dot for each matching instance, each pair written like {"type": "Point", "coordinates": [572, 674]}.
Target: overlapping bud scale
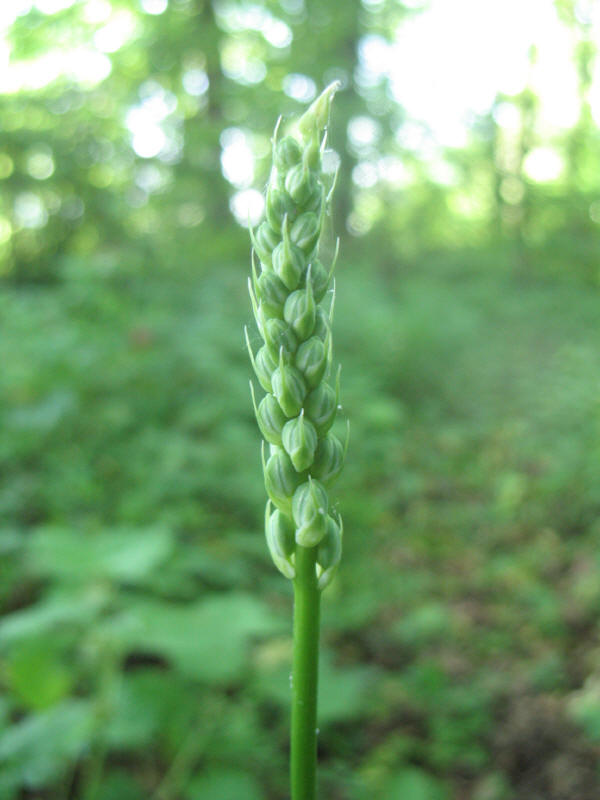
{"type": "Point", "coordinates": [299, 408]}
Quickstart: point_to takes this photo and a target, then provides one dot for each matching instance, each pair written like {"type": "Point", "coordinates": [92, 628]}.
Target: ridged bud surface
{"type": "Point", "coordinates": [292, 305]}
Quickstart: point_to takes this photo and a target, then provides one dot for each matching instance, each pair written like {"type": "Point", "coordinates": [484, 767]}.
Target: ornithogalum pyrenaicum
{"type": "Point", "coordinates": [292, 300]}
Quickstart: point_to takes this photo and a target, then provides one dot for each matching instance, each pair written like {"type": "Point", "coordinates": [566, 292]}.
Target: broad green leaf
{"type": "Point", "coordinates": [39, 747]}
{"type": "Point", "coordinates": [147, 701]}
{"type": "Point", "coordinates": [122, 554]}
{"type": "Point", "coordinates": [37, 676]}
{"type": "Point", "coordinates": [208, 640]}
{"type": "Point", "coordinates": [53, 612]}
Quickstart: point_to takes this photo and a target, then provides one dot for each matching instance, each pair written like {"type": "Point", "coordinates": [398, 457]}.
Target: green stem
{"type": "Point", "coordinates": [305, 676]}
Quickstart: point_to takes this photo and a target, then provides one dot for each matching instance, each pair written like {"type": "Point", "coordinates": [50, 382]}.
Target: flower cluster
{"type": "Point", "coordinates": [293, 307]}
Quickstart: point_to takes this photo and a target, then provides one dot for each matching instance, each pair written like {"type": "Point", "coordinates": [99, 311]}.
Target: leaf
{"type": "Point", "coordinates": [36, 675]}
{"type": "Point", "coordinates": [208, 640]}
{"type": "Point", "coordinates": [49, 614]}
{"type": "Point", "coordinates": [120, 554]}
{"type": "Point", "coordinates": [118, 785]}
{"type": "Point", "coordinates": [343, 691]}
{"type": "Point", "coordinates": [38, 748]}
{"type": "Point", "coordinates": [414, 784]}
{"type": "Point", "coordinates": [147, 700]}
{"type": "Point", "coordinates": [224, 785]}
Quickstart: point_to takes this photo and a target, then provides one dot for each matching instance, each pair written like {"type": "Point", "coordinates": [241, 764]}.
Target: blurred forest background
{"type": "Point", "coordinates": [145, 639]}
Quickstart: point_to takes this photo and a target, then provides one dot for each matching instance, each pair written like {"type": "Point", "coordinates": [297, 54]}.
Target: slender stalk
{"type": "Point", "coordinates": [305, 676]}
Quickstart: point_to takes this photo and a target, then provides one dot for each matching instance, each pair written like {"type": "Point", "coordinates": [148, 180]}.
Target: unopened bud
{"type": "Point", "coordinates": [319, 278]}
{"type": "Point", "coordinates": [312, 152]}
{"type": "Point", "coordinates": [321, 407]}
{"type": "Point", "coordinates": [309, 509]}
{"type": "Point", "coordinates": [278, 204]}
{"type": "Point", "coordinates": [311, 360]}
{"type": "Point", "coordinates": [265, 240]}
{"type": "Point", "coordinates": [330, 547]}
{"type": "Point", "coordinates": [280, 337]}
{"type": "Point", "coordinates": [300, 184]}
{"type": "Point", "coordinates": [281, 480]}
{"type": "Point", "coordinates": [300, 311]}
{"type": "Point", "coordinates": [329, 459]}
{"type": "Point", "coordinates": [317, 115]}
{"type": "Point", "coordinates": [289, 388]}
{"type": "Point", "coordinates": [316, 200]}
{"type": "Point", "coordinates": [305, 231]}
{"type": "Point", "coordinates": [283, 533]}
{"type": "Point", "coordinates": [272, 293]}
{"type": "Point", "coordinates": [288, 260]}
{"type": "Point", "coordinates": [287, 153]}
{"type": "Point", "coordinates": [299, 439]}
{"type": "Point", "coordinates": [322, 327]}
{"type": "Point", "coordinates": [279, 533]}
{"type": "Point", "coordinates": [330, 552]}
{"type": "Point", "coordinates": [264, 366]}
{"type": "Point", "coordinates": [271, 419]}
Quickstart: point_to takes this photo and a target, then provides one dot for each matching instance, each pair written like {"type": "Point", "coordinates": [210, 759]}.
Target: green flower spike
{"type": "Point", "coordinates": [287, 286]}
{"type": "Point", "coordinates": [292, 299]}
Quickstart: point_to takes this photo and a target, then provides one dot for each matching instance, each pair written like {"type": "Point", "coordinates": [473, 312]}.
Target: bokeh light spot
{"type": "Point", "coordinates": [154, 7]}
{"type": "Point", "coordinates": [247, 205]}
{"type": "Point", "coordinates": [299, 87]}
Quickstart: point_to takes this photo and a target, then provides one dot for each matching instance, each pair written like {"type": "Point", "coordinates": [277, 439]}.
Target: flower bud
{"type": "Point", "coordinates": [305, 231]}
{"type": "Point", "coordinates": [321, 408]}
{"type": "Point", "coordinates": [289, 388]}
{"type": "Point", "coordinates": [315, 201]}
{"type": "Point", "coordinates": [309, 509]}
{"type": "Point", "coordinates": [329, 459]}
{"type": "Point", "coordinates": [329, 552]}
{"type": "Point", "coordinates": [282, 533]}
{"type": "Point", "coordinates": [281, 480]}
{"type": "Point", "coordinates": [287, 153]}
{"type": "Point", "coordinates": [330, 546]}
{"type": "Point", "coordinates": [319, 279]}
{"type": "Point", "coordinates": [280, 337]}
{"type": "Point", "coordinates": [279, 533]}
{"type": "Point", "coordinates": [278, 204]}
{"type": "Point", "coordinates": [272, 294]}
{"type": "Point", "coordinates": [299, 439]}
{"type": "Point", "coordinates": [311, 156]}
{"type": "Point", "coordinates": [317, 115]}
{"type": "Point", "coordinates": [288, 260]}
{"type": "Point", "coordinates": [300, 311]}
{"type": "Point", "coordinates": [264, 366]}
{"type": "Point", "coordinates": [271, 419]}
{"type": "Point", "coordinates": [311, 360]}
{"type": "Point", "coordinates": [322, 327]}
{"type": "Point", "coordinates": [265, 240]}
{"type": "Point", "coordinates": [300, 184]}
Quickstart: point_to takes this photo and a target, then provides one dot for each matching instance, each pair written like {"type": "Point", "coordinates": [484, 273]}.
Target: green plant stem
{"type": "Point", "coordinates": [305, 676]}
